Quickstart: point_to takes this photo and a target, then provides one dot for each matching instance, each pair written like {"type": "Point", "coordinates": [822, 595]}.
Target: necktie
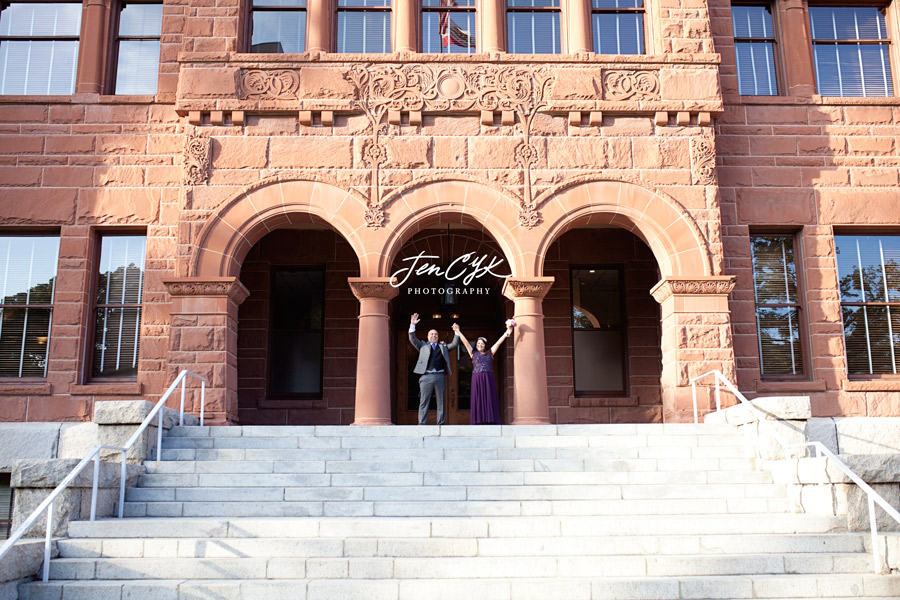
{"type": "Point", "coordinates": [434, 346]}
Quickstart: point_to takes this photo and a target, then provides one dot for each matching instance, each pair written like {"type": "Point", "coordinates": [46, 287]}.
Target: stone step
{"type": "Point", "coordinates": [464, 508]}
{"type": "Point", "coordinates": [430, 493]}
{"type": "Point", "coordinates": [778, 587]}
{"type": "Point", "coordinates": [477, 567]}
{"type": "Point", "coordinates": [320, 547]}
{"type": "Point", "coordinates": [443, 527]}
{"type": "Point", "coordinates": [668, 457]}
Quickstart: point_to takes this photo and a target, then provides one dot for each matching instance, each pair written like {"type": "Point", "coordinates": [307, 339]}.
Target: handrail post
{"type": "Point", "coordinates": [122, 483]}
{"type": "Point", "coordinates": [159, 430]}
{"type": "Point", "coordinates": [876, 551]}
{"type": "Point", "coordinates": [202, 399]}
{"type": "Point", "coordinates": [47, 542]}
{"type": "Point", "coordinates": [94, 488]}
{"type": "Point", "coordinates": [181, 415]}
{"type": "Point", "coordinates": [694, 394]}
{"type": "Point", "coordinates": [718, 394]}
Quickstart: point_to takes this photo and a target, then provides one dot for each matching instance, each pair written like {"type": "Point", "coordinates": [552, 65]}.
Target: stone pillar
{"type": "Point", "coordinates": [405, 14]}
{"type": "Point", "coordinates": [203, 339]}
{"type": "Point", "coordinates": [696, 338]}
{"type": "Point", "coordinates": [530, 401]}
{"type": "Point", "coordinates": [800, 73]}
{"type": "Point", "coordinates": [373, 364]}
{"type": "Point", "coordinates": [94, 40]}
{"type": "Point", "coordinates": [578, 16]}
{"type": "Point", "coordinates": [493, 25]}
{"type": "Point", "coordinates": [319, 16]}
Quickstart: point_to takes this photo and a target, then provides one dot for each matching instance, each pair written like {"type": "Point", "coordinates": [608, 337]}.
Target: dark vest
{"type": "Point", "coordinates": [436, 360]}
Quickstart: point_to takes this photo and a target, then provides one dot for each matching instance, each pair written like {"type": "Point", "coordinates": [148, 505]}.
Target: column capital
{"type": "Point", "coordinates": [230, 287]}
{"type": "Point", "coordinates": [716, 285]}
{"type": "Point", "coordinates": [373, 287]}
{"type": "Point", "coordinates": [527, 287]}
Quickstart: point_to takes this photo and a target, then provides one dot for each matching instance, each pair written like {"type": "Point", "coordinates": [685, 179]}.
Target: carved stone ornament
{"type": "Point", "coordinates": [527, 155]}
{"type": "Point", "coordinates": [374, 216]}
{"type": "Point", "coordinates": [196, 160]}
{"type": "Point", "coordinates": [374, 154]}
{"type": "Point", "coordinates": [258, 84]}
{"type": "Point", "coordinates": [531, 287]}
{"type": "Point", "coordinates": [631, 85]}
{"type": "Point", "coordinates": [459, 87]}
{"type": "Point", "coordinates": [380, 289]}
{"type": "Point", "coordinates": [529, 217]}
{"type": "Point", "coordinates": [717, 285]}
{"type": "Point", "coordinates": [226, 286]}
{"type": "Point", "coordinates": [703, 162]}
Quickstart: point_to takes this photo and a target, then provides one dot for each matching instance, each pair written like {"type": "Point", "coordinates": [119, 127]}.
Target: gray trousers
{"type": "Point", "coordinates": [428, 383]}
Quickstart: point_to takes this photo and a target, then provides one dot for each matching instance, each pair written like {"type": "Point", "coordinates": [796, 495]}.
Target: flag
{"type": "Point", "coordinates": [451, 33]}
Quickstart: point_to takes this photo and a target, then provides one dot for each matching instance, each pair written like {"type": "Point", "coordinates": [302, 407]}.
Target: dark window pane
{"type": "Point", "coordinates": [450, 32]}
{"type": "Point", "coordinates": [598, 361]}
{"type": "Point", "coordinates": [533, 33]}
{"type": "Point", "coordinates": [618, 33]}
{"type": "Point", "coordinates": [117, 342]}
{"type": "Point", "coordinates": [28, 269]}
{"type": "Point", "coordinates": [438, 3]}
{"type": "Point", "coordinates": [364, 32]}
{"type": "Point", "coordinates": [844, 68]}
{"type": "Point", "coordinates": [297, 300]}
{"type": "Point", "coordinates": [297, 363]}
{"type": "Point", "coordinates": [24, 336]}
{"type": "Point", "coordinates": [617, 4]}
{"type": "Point", "coordinates": [872, 338]}
{"type": "Point", "coordinates": [138, 67]}
{"type": "Point", "coordinates": [779, 341]}
{"type": "Point", "coordinates": [279, 31]}
{"type": "Point", "coordinates": [5, 506]}
{"type": "Point", "coordinates": [364, 3]}
{"type": "Point", "coordinates": [595, 299]}
{"type": "Point", "coordinates": [297, 308]}
{"type": "Point", "coordinates": [774, 271]}
{"type": "Point", "coordinates": [121, 270]}
{"type": "Point", "coordinates": [868, 268]}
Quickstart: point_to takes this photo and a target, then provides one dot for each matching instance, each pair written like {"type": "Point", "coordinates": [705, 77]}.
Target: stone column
{"type": "Point", "coordinates": [94, 42]}
{"type": "Point", "coordinates": [405, 14]}
{"type": "Point", "coordinates": [578, 16]}
{"type": "Point", "coordinates": [203, 339]}
{"type": "Point", "coordinates": [530, 401]}
{"type": "Point", "coordinates": [373, 364]}
{"type": "Point", "coordinates": [493, 25]}
{"type": "Point", "coordinates": [800, 76]}
{"type": "Point", "coordinates": [319, 16]}
{"type": "Point", "coordinates": [696, 338]}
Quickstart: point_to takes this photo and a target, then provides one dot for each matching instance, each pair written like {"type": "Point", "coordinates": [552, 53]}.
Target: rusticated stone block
{"type": "Point", "coordinates": [310, 152]}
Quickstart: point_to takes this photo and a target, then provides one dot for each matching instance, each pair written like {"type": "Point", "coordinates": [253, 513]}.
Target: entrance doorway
{"type": "Point", "coordinates": [478, 307]}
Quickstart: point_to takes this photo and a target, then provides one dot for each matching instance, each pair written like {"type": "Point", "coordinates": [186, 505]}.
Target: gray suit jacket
{"type": "Point", "coordinates": [424, 349]}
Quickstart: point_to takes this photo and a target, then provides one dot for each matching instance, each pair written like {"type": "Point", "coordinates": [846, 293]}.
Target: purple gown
{"type": "Point", "coordinates": [485, 409]}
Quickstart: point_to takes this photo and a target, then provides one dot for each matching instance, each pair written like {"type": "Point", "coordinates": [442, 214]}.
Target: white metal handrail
{"type": "Point", "coordinates": [94, 454]}
{"type": "Point", "coordinates": [821, 450]}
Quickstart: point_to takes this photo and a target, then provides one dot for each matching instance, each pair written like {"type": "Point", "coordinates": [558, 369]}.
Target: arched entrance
{"type": "Point", "coordinates": [476, 304]}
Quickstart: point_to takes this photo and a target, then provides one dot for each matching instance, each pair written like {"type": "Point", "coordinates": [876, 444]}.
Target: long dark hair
{"type": "Point", "coordinates": [482, 339]}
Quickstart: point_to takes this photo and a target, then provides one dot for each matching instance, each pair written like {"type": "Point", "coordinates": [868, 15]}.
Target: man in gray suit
{"type": "Point", "coordinates": [433, 366]}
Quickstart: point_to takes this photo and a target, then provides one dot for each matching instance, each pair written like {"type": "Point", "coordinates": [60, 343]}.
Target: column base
{"type": "Point", "coordinates": [370, 422]}
{"type": "Point", "coordinates": [532, 421]}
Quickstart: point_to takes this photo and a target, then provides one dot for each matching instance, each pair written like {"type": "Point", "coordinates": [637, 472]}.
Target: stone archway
{"type": "Point", "coordinates": [693, 292]}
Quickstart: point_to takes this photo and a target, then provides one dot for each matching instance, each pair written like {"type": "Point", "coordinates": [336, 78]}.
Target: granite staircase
{"type": "Point", "coordinates": [572, 512]}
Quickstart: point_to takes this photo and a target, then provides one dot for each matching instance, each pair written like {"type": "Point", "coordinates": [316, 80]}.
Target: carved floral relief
{"type": "Point", "coordinates": [631, 85]}
{"type": "Point", "coordinates": [703, 161]}
{"type": "Point", "coordinates": [196, 160]}
{"type": "Point", "coordinates": [261, 84]}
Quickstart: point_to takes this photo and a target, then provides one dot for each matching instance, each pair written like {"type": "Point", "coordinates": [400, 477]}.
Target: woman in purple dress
{"type": "Point", "coordinates": [485, 408]}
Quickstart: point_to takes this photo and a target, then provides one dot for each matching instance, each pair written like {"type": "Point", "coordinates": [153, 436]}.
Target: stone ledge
{"type": "Point", "coordinates": [790, 408]}
{"type": "Point", "coordinates": [27, 440]}
{"type": "Point", "coordinates": [25, 559]}
{"type": "Point", "coordinates": [790, 386]}
{"type": "Point", "coordinates": [107, 389]}
{"type": "Point", "coordinates": [128, 412]}
{"type": "Point", "coordinates": [25, 389]}
{"type": "Point", "coordinates": [870, 385]}
{"type": "Point", "coordinates": [871, 468]}
{"type": "Point", "coordinates": [49, 473]}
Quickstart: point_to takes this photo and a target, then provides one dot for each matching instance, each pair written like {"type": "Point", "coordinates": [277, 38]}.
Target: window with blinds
{"type": "Point", "coordinates": [532, 27]}
{"type": "Point", "coordinates": [869, 280]}
{"type": "Point", "coordinates": [618, 26]}
{"type": "Point", "coordinates": [28, 281]}
{"type": "Point", "coordinates": [39, 48]}
{"type": "Point", "coordinates": [279, 26]}
{"type": "Point", "coordinates": [598, 331]}
{"type": "Point", "coordinates": [754, 49]}
{"type": "Point", "coordinates": [137, 44]}
{"type": "Point", "coordinates": [851, 51]}
{"type": "Point", "coordinates": [448, 26]}
{"type": "Point", "coordinates": [364, 26]}
{"type": "Point", "coordinates": [117, 314]}
{"type": "Point", "coordinates": [777, 305]}
{"type": "Point", "coordinates": [297, 332]}
{"type": "Point", "coordinates": [5, 506]}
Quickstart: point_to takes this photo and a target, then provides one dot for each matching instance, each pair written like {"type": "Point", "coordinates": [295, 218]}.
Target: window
{"type": "Point", "coordinates": [28, 282]}
{"type": "Point", "coordinates": [297, 315]}
{"type": "Point", "coordinates": [448, 26]}
{"type": "Point", "coordinates": [39, 48]}
{"type": "Point", "coordinates": [364, 26]}
{"type": "Point", "coordinates": [279, 26]}
{"type": "Point", "coordinates": [137, 47]}
{"type": "Point", "coordinates": [777, 305]}
{"type": "Point", "coordinates": [532, 26]}
{"type": "Point", "coordinates": [598, 332]}
{"type": "Point", "coordinates": [5, 506]}
{"type": "Point", "coordinates": [618, 26]}
{"type": "Point", "coordinates": [869, 280]}
{"type": "Point", "coordinates": [851, 51]}
{"type": "Point", "coordinates": [117, 316]}
{"type": "Point", "coordinates": [754, 49]}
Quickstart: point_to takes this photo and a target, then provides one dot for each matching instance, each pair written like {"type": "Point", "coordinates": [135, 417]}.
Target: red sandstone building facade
{"type": "Point", "coordinates": [717, 191]}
